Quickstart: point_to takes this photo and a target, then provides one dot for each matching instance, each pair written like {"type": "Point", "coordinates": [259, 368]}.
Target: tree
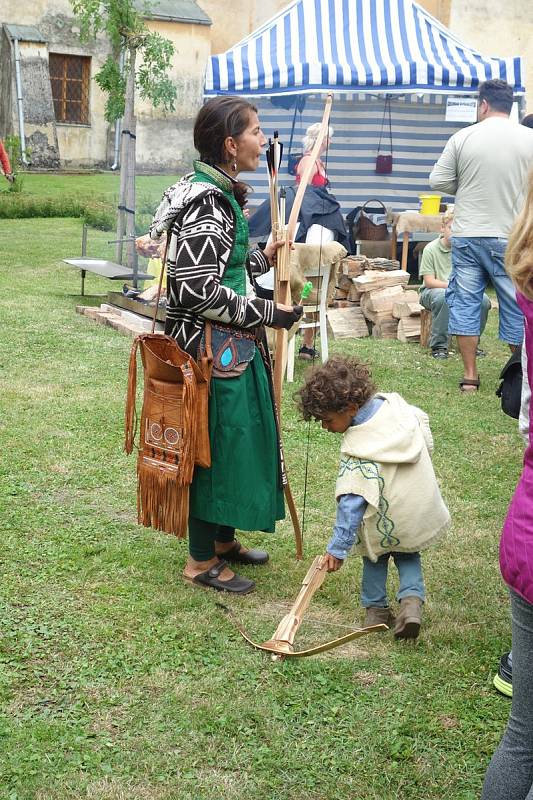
{"type": "Point", "coordinates": [125, 27]}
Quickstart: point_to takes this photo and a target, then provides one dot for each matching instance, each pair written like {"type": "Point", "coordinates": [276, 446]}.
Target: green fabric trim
{"type": "Point", "coordinates": [370, 471]}
{"type": "Point", "coordinates": [213, 175]}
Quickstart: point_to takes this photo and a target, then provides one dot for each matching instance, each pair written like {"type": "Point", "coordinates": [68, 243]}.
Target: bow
{"type": "Point", "coordinates": [281, 644]}
{"type": "Point", "coordinates": [285, 233]}
{"type": "Point", "coordinates": [282, 293]}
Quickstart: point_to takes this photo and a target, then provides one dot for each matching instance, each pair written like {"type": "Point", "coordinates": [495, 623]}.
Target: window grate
{"type": "Point", "coordinates": [70, 80]}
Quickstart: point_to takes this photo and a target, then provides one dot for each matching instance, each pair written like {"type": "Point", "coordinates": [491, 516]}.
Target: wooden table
{"type": "Point", "coordinates": [415, 226]}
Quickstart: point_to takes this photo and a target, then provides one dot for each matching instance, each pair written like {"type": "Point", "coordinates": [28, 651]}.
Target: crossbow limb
{"type": "Point", "coordinates": [281, 645]}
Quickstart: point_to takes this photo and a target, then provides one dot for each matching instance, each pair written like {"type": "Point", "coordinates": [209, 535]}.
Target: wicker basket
{"type": "Point", "coordinates": [366, 229]}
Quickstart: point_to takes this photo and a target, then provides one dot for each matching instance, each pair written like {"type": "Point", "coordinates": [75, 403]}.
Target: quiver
{"type": "Point", "coordinates": [174, 432]}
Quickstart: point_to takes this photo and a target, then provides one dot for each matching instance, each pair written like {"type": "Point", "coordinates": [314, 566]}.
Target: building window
{"type": "Point", "coordinates": [70, 78]}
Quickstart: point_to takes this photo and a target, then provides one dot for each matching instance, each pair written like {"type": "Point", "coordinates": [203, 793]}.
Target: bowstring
{"type": "Point", "coordinates": [317, 319]}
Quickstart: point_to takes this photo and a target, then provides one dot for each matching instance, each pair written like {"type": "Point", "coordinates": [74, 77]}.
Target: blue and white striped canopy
{"type": "Point", "coordinates": [354, 45]}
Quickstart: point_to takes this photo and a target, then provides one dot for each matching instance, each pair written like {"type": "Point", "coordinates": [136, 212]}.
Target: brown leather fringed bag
{"type": "Point", "coordinates": [174, 425]}
{"type": "Point", "coordinates": [174, 430]}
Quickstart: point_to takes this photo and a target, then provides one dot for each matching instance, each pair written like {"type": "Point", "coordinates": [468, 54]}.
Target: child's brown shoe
{"type": "Point", "coordinates": [409, 619]}
{"type": "Point", "coordinates": [378, 616]}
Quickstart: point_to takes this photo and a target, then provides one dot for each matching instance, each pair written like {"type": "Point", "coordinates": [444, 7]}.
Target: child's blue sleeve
{"type": "Point", "coordinates": [350, 511]}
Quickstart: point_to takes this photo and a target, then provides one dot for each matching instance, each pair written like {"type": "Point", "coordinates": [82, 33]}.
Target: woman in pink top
{"type": "Point", "coordinates": [319, 177]}
{"type": "Point", "coordinates": [510, 773]}
{"type": "Point", "coordinates": [317, 234]}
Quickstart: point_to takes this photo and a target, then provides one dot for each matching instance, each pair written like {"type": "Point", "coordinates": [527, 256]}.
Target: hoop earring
{"type": "Point", "coordinates": [234, 166]}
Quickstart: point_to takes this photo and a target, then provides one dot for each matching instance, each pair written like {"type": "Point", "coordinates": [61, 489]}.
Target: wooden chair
{"type": "Point", "coordinates": [320, 278]}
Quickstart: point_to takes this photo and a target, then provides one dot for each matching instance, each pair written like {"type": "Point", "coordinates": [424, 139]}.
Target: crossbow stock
{"type": "Point", "coordinates": [281, 644]}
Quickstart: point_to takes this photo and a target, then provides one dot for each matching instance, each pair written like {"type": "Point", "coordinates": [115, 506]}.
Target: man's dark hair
{"type": "Point", "coordinates": [498, 94]}
{"type": "Point", "coordinates": [527, 121]}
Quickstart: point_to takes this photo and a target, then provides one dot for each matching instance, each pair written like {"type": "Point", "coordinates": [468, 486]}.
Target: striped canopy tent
{"type": "Point", "coordinates": [362, 50]}
{"type": "Point", "coordinates": [391, 46]}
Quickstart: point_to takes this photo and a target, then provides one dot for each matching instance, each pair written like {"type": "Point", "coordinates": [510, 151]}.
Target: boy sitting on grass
{"type": "Point", "coordinates": [389, 503]}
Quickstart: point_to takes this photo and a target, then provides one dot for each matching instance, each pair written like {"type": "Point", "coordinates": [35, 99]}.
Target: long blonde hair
{"type": "Point", "coordinates": [519, 254]}
{"type": "Point", "coordinates": [311, 136]}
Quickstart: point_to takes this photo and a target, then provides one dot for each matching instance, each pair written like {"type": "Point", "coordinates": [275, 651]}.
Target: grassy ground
{"type": "Point", "coordinates": [119, 681]}
{"type": "Point", "coordinates": [103, 185]}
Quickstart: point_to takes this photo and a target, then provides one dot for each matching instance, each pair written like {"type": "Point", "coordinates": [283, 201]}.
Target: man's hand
{"type": "Point", "coordinates": [332, 563]}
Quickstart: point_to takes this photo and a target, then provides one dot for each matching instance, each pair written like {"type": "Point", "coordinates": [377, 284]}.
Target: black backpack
{"type": "Point", "coordinates": [510, 388]}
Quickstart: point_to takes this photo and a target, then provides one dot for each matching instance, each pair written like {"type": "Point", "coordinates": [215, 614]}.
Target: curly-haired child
{"type": "Point", "coordinates": [389, 502]}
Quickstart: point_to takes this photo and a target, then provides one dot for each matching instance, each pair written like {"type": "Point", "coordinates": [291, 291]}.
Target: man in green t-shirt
{"type": "Point", "coordinates": [435, 268]}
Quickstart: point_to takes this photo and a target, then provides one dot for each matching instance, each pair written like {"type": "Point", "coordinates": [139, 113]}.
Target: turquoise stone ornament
{"type": "Point", "coordinates": [226, 357]}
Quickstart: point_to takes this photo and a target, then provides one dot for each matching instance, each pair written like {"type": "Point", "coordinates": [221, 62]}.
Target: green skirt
{"type": "Point", "coordinates": [241, 489]}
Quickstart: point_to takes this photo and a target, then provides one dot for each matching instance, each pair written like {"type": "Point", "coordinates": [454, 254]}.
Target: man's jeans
{"type": "Point", "coordinates": [374, 581]}
{"type": "Point", "coordinates": [435, 301]}
{"type": "Point", "coordinates": [475, 262]}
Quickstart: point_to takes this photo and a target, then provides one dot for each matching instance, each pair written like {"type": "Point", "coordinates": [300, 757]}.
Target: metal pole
{"type": "Point", "coordinates": [118, 122]}
{"type": "Point", "coordinates": [18, 82]}
{"type": "Point", "coordinates": [83, 254]}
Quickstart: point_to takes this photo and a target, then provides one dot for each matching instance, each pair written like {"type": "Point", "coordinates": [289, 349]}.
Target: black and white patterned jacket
{"type": "Point", "coordinates": [201, 225]}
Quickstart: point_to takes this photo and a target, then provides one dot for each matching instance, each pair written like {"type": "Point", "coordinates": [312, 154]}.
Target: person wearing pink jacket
{"type": "Point", "coordinates": [510, 772]}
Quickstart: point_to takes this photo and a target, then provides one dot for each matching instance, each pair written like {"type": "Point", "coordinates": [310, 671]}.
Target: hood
{"type": "Point", "coordinates": [175, 199]}
{"type": "Point", "coordinates": [392, 435]}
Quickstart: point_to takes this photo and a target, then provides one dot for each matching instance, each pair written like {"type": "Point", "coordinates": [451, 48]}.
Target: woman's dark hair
{"type": "Point", "coordinates": [219, 118]}
{"type": "Point", "coordinates": [335, 386]}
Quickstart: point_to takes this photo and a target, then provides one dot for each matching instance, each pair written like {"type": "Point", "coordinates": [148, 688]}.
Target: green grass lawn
{"type": "Point", "coordinates": [103, 185]}
{"type": "Point", "coordinates": [92, 195]}
{"type": "Point", "coordinates": [119, 681]}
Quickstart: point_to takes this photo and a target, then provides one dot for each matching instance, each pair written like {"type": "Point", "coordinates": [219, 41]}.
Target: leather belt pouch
{"type": "Point", "coordinates": [232, 351]}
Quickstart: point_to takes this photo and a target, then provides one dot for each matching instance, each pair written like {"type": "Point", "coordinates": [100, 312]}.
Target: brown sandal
{"type": "Point", "coordinates": [475, 382]}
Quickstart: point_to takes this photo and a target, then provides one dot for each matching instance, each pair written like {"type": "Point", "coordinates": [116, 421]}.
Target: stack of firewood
{"type": "Point", "coordinates": [379, 291]}
{"type": "Point", "coordinates": [372, 298]}
{"type": "Point", "coordinates": [346, 319]}
{"type": "Point", "coordinates": [407, 312]}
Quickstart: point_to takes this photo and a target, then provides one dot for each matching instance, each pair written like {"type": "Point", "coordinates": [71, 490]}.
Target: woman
{"type": "Point", "coordinates": [319, 177]}
{"type": "Point", "coordinates": [510, 773]}
{"type": "Point", "coordinates": [210, 278]}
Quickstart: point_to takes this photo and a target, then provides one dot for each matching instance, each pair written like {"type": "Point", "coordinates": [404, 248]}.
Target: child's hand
{"type": "Point", "coordinates": [332, 563]}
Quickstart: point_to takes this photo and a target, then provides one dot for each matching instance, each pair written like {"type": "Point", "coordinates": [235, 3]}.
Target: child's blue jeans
{"type": "Point", "coordinates": [374, 582]}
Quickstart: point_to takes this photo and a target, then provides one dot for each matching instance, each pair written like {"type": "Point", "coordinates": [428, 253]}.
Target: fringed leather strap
{"type": "Point", "coordinates": [163, 267]}
{"type": "Point", "coordinates": [130, 416]}
{"type": "Point", "coordinates": [189, 426]}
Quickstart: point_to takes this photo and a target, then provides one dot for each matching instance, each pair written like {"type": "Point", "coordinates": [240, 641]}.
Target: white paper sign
{"type": "Point", "coordinates": [461, 109]}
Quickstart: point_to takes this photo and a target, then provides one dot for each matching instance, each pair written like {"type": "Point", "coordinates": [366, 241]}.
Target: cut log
{"type": "Point", "coordinates": [377, 279]}
{"type": "Point", "coordinates": [425, 327]}
{"type": "Point", "coordinates": [383, 264]}
{"type": "Point", "coordinates": [344, 282]}
{"type": "Point", "coordinates": [354, 294]}
{"type": "Point", "coordinates": [385, 328]}
{"type": "Point", "coordinates": [384, 299]}
{"type": "Point", "coordinates": [353, 266]}
{"type": "Point", "coordinates": [401, 309]}
{"type": "Point", "coordinates": [409, 329]}
{"type": "Point", "coordinates": [411, 296]}
{"type": "Point", "coordinates": [347, 323]}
